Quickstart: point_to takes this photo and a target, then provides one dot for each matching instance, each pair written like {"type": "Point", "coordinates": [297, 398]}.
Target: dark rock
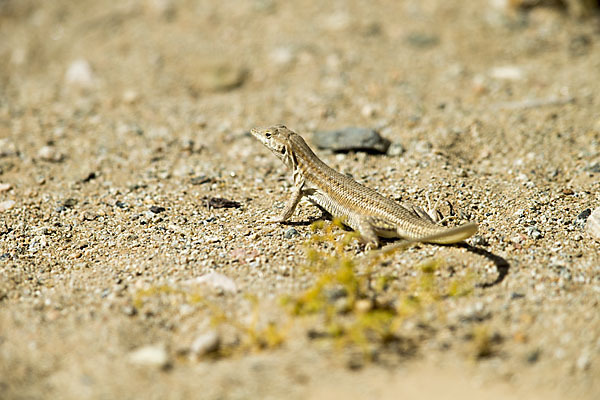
{"type": "Point", "coordinates": [580, 45]}
{"type": "Point", "coordinates": [534, 356]}
{"type": "Point", "coordinates": [218, 202]}
{"type": "Point", "coordinates": [69, 203]}
{"type": "Point", "coordinates": [533, 232]}
{"type": "Point", "coordinates": [582, 218]}
{"type": "Point", "coordinates": [200, 180]}
{"type": "Point", "coordinates": [89, 177]}
{"type": "Point", "coordinates": [422, 40]}
{"type": "Point", "coordinates": [351, 139]}
{"type": "Point", "coordinates": [516, 295]}
{"type": "Point", "coordinates": [594, 168]}
{"type": "Point", "coordinates": [157, 209]}
{"type": "Point", "coordinates": [290, 233]}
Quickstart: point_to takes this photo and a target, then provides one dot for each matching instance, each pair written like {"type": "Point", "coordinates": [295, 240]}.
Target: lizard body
{"type": "Point", "coordinates": [361, 208]}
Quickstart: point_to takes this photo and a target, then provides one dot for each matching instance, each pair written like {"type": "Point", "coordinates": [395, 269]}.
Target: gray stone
{"type": "Point", "coordinates": [290, 233]}
{"type": "Point", "coordinates": [351, 139]}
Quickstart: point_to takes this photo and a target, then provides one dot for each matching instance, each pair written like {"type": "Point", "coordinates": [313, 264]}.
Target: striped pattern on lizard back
{"type": "Point", "coordinates": [350, 197]}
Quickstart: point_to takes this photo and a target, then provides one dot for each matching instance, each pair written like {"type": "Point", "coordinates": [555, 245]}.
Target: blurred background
{"type": "Point", "coordinates": [313, 60]}
{"type": "Point", "coordinates": [121, 121]}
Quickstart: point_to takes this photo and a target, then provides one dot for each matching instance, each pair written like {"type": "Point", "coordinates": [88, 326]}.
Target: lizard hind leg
{"type": "Point", "coordinates": [367, 233]}
{"type": "Point", "coordinates": [371, 228]}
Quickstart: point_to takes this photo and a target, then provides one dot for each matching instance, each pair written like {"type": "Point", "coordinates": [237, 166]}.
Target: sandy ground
{"type": "Point", "coordinates": [121, 278]}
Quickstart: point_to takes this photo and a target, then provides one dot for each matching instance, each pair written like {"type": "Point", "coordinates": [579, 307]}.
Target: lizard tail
{"type": "Point", "coordinates": [450, 235]}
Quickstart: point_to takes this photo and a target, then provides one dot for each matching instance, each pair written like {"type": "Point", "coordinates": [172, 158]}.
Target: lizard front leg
{"type": "Point", "coordinates": [290, 205]}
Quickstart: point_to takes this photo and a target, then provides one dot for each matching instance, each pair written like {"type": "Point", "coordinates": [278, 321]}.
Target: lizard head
{"type": "Point", "coordinates": [276, 139]}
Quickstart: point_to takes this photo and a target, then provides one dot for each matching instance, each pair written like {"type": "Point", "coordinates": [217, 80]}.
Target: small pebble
{"type": "Point", "coordinates": [218, 202]}
{"type": "Point", "coordinates": [130, 96]}
{"type": "Point", "coordinates": [91, 176]}
{"type": "Point", "coordinates": [216, 281]}
{"type": "Point", "coordinates": [351, 139]}
{"type": "Point", "coordinates": [533, 356]}
{"type": "Point", "coordinates": [363, 306]}
{"type": "Point", "coordinates": [80, 74]}
{"type": "Point", "coordinates": [200, 180]}
{"type": "Point", "coordinates": [516, 295]}
{"type": "Point", "coordinates": [594, 168]}
{"type": "Point", "coordinates": [154, 356]}
{"type": "Point", "coordinates": [582, 218]}
{"type": "Point", "coordinates": [88, 216]}
{"type": "Point", "coordinates": [368, 110]}
{"type": "Point", "coordinates": [50, 153]}
{"type": "Point", "coordinates": [479, 240]}
{"type": "Point", "coordinates": [290, 233]}
{"type": "Point", "coordinates": [162, 8]}
{"type": "Point", "coordinates": [568, 191]}
{"type": "Point", "coordinates": [7, 148]}
{"type": "Point", "coordinates": [206, 343]}
{"type": "Point", "coordinates": [157, 209]}
{"type": "Point", "coordinates": [69, 203]}
{"type": "Point", "coordinates": [5, 187]}
{"type": "Point", "coordinates": [508, 73]}
{"type": "Point", "coordinates": [533, 232]}
{"type": "Point", "coordinates": [6, 205]}
{"type": "Point", "coordinates": [583, 361]}
{"type": "Point", "coordinates": [593, 224]}
{"type": "Point", "coordinates": [396, 149]}
{"type": "Point", "coordinates": [282, 56]}
{"type": "Point", "coordinates": [217, 77]}
{"type": "Point", "coordinates": [422, 40]}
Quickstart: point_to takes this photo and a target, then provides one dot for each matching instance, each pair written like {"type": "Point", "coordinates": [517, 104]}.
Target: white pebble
{"type": "Point", "coordinates": [282, 55]}
{"type": "Point", "coordinates": [6, 205]}
{"type": "Point", "coordinates": [130, 96]}
{"type": "Point", "coordinates": [507, 73]}
{"type": "Point", "coordinates": [49, 153]}
{"type": "Point", "coordinates": [7, 148]}
{"type": "Point", "coordinates": [368, 110]}
{"type": "Point", "coordinates": [80, 74]}
{"type": "Point", "coordinates": [592, 225]}
{"type": "Point", "coordinates": [206, 343]}
{"type": "Point", "coordinates": [583, 361]}
{"type": "Point", "coordinates": [150, 356]}
{"type": "Point", "coordinates": [216, 281]}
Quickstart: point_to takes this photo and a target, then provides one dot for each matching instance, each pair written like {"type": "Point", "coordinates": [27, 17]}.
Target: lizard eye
{"type": "Point", "coordinates": [267, 135]}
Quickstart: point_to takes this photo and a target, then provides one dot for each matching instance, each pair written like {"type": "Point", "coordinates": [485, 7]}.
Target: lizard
{"type": "Point", "coordinates": [359, 207]}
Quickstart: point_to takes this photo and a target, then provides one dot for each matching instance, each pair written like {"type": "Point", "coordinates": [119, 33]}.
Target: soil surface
{"type": "Point", "coordinates": [135, 261]}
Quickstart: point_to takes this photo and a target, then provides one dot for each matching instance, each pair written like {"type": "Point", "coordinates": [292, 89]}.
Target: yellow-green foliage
{"type": "Point", "coordinates": [354, 317]}
{"type": "Point", "coordinates": [346, 296]}
{"type": "Point", "coordinates": [253, 336]}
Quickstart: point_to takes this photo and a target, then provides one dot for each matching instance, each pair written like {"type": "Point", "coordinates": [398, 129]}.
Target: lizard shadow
{"type": "Point", "coordinates": [307, 222]}
{"type": "Point", "coordinates": [502, 266]}
{"type": "Point", "coordinates": [324, 216]}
